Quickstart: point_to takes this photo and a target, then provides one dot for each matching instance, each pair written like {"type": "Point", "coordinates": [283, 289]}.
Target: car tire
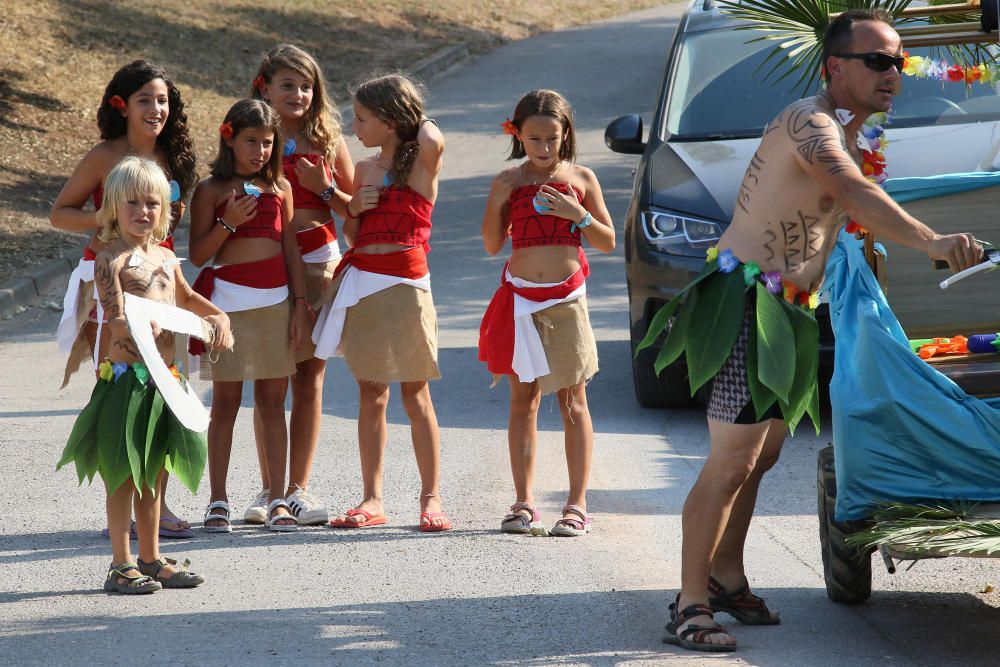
{"type": "Point", "coordinates": [668, 390]}
{"type": "Point", "coordinates": [846, 570]}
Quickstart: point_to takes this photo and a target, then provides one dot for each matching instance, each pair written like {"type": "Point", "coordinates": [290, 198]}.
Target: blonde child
{"type": "Point", "coordinates": [241, 221]}
{"type": "Point", "coordinates": [318, 167]}
{"type": "Point", "coordinates": [548, 205]}
{"type": "Point", "coordinates": [382, 319]}
{"type": "Point", "coordinates": [131, 454]}
{"type": "Point", "coordinates": [141, 113]}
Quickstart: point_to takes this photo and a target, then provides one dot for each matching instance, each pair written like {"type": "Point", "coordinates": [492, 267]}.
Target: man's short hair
{"type": "Point", "coordinates": [838, 34]}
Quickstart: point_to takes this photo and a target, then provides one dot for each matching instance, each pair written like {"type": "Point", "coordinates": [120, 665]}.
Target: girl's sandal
{"type": "Point", "coordinates": [180, 579]}
{"type": "Point", "coordinates": [226, 527]}
{"type": "Point", "coordinates": [694, 637]}
{"type": "Point", "coordinates": [517, 523]}
{"type": "Point", "coordinates": [569, 527]}
{"type": "Point", "coordinates": [273, 519]}
{"type": "Point", "coordinates": [741, 604]}
{"type": "Point", "coordinates": [133, 584]}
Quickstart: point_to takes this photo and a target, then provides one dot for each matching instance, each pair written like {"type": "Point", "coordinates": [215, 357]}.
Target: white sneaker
{"type": "Point", "coordinates": [307, 508]}
{"type": "Point", "coordinates": [257, 511]}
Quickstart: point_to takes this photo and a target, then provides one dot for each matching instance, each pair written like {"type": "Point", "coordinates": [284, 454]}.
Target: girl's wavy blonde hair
{"type": "Point", "coordinates": [321, 122]}
{"type": "Point", "coordinates": [133, 178]}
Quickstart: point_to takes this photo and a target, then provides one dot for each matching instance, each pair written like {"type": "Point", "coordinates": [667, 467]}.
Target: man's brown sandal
{"type": "Point", "coordinates": [741, 604]}
{"type": "Point", "coordinates": [180, 579]}
{"type": "Point", "coordinates": [694, 637]}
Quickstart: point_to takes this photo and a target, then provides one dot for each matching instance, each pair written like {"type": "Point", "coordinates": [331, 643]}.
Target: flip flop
{"type": "Point", "coordinates": [131, 532]}
{"type": "Point", "coordinates": [429, 527]}
{"type": "Point", "coordinates": [174, 534]}
{"type": "Point", "coordinates": [369, 519]}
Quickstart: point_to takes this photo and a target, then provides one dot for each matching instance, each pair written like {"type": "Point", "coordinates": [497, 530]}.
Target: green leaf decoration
{"type": "Point", "coordinates": [661, 319]}
{"type": "Point", "coordinates": [715, 325]}
{"type": "Point", "coordinates": [806, 333]}
{"type": "Point", "coordinates": [112, 453]}
{"type": "Point", "coordinates": [775, 344]}
{"type": "Point", "coordinates": [155, 441]}
{"type": "Point", "coordinates": [83, 437]}
{"type": "Point", "coordinates": [676, 340]}
{"type": "Point", "coordinates": [136, 419]}
{"type": "Point", "coordinates": [763, 398]}
{"type": "Point", "coordinates": [187, 451]}
{"type": "Point", "coordinates": [948, 528]}
{"type": "Point", "coordinates": [812, 409]}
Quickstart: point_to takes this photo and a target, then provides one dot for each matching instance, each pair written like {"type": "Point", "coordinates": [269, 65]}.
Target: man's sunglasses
{"type": "Point", "coordinates": [880, 62]}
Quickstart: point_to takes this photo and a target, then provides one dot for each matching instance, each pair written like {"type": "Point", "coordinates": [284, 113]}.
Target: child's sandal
{"type": "Point", "coordinates": [133, 584]}
{"type": "Point", "coordinates": [517, 523]}
{"type": "Point", "coordinates": [570, 527]}
{"type": "Point", "coordinates": [272, 518]}
{"type": "Point", "coordinates": [180, 579]}
{"type": "Point", "coordinates": [226, 527]}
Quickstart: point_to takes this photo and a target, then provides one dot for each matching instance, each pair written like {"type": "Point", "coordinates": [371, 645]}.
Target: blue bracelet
{"type": "Point", "coordinates": [586, 222]}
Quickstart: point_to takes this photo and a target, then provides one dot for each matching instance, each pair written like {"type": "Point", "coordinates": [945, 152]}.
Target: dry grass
{"type": "Point", "coordinates": [56, 57]}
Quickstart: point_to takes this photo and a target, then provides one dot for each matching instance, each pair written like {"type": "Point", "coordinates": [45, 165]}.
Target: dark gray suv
{"type": "Point", "coordinates": [712, 108]}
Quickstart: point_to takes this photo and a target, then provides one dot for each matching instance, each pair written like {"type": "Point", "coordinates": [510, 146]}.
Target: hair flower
{"type": "Point", "coordinates": [750, 272]}
{"type": "Point", "coordinates": [728, 261]}
{"type": "Point", "coordinates": [258, 83]}
{"type": "Point", "coordinates": [772, 281]}
{"type": "Point", "coordinates": [711, 254]}
{"type": "Point", "coordinates": [509, 127]}
{"type": "Point", "coordinates": [104, 371]}
{"type": "Point", "coordinates": [117, 102]}
{"type": "Point", "coordinates": [226, 130]}
{"type": "Point", "coordinates": [118, 368]}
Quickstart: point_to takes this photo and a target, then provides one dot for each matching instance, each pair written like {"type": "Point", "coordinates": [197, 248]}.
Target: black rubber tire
{"type": "Point", "coordinates": [847, 571]}
{"type": "Point", "coordinates": [668, 390]}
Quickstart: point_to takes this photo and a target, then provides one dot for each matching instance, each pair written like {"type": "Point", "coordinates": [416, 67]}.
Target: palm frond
{"type": "Point", "coordinates": [930, 529]}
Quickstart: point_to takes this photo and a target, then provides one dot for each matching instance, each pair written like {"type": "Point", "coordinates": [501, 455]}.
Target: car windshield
{"type": "Point", "coordinates": [718, 92]}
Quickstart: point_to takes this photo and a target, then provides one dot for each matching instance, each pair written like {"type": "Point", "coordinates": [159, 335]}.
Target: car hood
{"type": "Point", "coordinates": [701, 178]}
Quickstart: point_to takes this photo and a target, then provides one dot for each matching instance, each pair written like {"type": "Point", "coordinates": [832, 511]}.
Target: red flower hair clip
{"type": "Point", "coordinates": [117, 102]}
{"type": "Point", "coordinates": [258, 83]}
{"type": "Point", "coordinates": [509, 127]}
{"type": "Point", "coordinates": [226, 130]}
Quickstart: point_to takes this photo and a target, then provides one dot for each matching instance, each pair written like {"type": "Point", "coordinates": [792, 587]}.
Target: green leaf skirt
{"type": "Point", "coordinates": [782, 350]}
{"type": "Point", "coordinates": [128, 431]}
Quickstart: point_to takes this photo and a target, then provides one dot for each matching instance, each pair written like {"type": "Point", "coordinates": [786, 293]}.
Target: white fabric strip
{"type": "Point", "coordinates": [355, 285]}
{"type": "Point", "coordinates": [327, 253]}
{"type": "Point", "coordinates": [181, 400]}
{"type": "Point", "coordinates": [232, 298]}
{"type": "Point", "coordinates": [529, 356]}
{"type": "Point", "coordinates": [67, 332]}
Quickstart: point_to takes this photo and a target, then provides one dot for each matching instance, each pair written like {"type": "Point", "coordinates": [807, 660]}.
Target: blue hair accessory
{"type": "Point", "coordinates": [175, 191]}
{"type": "Point", "coordinates": [386, 180]}
{"type": "Point", "coordinates": [252, 190]}
{"type": "Point", "coordinates": [289, 148]}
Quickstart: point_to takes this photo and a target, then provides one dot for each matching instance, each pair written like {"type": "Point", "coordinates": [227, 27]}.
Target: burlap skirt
{"type": "Point", "coordinates": [391, 336]}
{"type": "Point", "coordinates": [261, 351]}
{"type": "Point", "coordinates": [320, 290]}
{"type": "Point", "coordinates": [569, 344]}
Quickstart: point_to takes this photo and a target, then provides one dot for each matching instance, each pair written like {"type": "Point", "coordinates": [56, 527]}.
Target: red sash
{"type": "Point", "coordinates": [496, 333]}
{"type": "Point", "coordinates": [410, 263]}
{"type": "Point", "coordinates": [317, 237]}
{"type": "Point", "coordinates": [263, 274]}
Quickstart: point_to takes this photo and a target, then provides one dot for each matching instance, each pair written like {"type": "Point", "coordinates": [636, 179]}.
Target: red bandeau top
{"type": "Point", "coordinates": [402, 216]}
{"type": "Point", "coordinates": [302, 198]}
{"type": "Point", "coordinates": [266, 224]}
{"type": "Point", "coordinates": [529, 228]}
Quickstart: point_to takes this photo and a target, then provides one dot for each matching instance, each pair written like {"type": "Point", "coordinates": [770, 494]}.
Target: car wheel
{"type": "Point", "coordinates": [668, 390]}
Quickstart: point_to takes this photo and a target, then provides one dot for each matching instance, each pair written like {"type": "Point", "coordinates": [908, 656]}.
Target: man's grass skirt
{"type": "Point", "coordinates": [128, 431]}
{"type": "Point", "coordinates": [783, 347]}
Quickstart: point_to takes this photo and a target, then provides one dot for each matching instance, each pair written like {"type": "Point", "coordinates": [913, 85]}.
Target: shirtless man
{"type": "Point", "coordinates": [800, 188]}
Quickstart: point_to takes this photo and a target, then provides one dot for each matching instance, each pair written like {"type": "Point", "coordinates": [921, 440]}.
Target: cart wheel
{"type": "Point", "coordinates": [848, 572]}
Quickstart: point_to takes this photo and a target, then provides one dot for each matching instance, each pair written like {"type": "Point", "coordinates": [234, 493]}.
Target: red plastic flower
{"type": "Point", "coordinates": [258, 83]}
{"type": "Point", "coordinates": [509, 127]}
{"type": "Point", "coordinates": [972, 75]}
{"type": "Point", "coordinates": [956, 73]}
{"type": "Point", "coordinates": [791, 290]}
{"type": "Point", "coordinates": [117, 102]}
{"type": "Point", "coordinates": [226, 130]}
{"type": "Point", "coordinates": [803, 298]}
{"type": "Point", "coordinates": [906, 59]}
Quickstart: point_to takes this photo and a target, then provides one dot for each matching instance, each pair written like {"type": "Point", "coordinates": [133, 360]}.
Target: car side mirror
{"type": "Point", "coordinates": [624, 135]}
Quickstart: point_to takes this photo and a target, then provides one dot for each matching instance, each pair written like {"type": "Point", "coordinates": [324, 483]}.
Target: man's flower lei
{"type": "Point", "coordinates": [728, 261]}
{"type": "Point", "coordinates": [941, 70]}
{"type": "Point", "coordinates": [750, 272]}
{"type": "Point", "coordinates": [711, 254]}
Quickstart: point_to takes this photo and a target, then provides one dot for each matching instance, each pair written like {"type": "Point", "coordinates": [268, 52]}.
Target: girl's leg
{"type": "Point", "coordinates": [173, 521]}
{"type": "Point", "coordinates": [226, 397]}
{"type": "Point", "coordinates": [119, 509]}
{"type": "Point", "coordinates": [579, 434]}
{"type": "Point", "coordinates": [522, 436]}
{"type": "Point", "coordinates": [269, 401]}
{"type": "Point", "coordinates": [426, 444]}
{"type": "Point", "coordinates": [372, 435]}
{"type": "Point", "coordinates": [258, 429]}
{"type": "Point", "coordinates": [307, 399]}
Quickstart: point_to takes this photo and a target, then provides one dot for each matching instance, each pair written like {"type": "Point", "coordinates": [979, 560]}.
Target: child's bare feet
{"type": "Point", "coordinates": [432, 519]}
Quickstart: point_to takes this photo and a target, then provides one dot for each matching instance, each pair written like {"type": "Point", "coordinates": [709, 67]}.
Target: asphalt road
{"type": "Point", "coordinates": [471, 596]}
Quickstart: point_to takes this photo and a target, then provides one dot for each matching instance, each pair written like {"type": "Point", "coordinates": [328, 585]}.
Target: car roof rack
{"type": "Point", "coordinates": [983, 31]}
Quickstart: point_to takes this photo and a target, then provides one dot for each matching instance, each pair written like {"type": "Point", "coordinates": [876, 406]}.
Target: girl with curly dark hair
{"type": "Point", "coordinates": [142, 114]}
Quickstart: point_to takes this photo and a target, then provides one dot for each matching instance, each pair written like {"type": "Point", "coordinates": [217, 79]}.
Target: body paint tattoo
{"type": "Point", "coordinates": [750, 180]}
{"type": "Point", "coordinates": [801, 240]}
{"type": "Point", "coordinates": [810, 131]}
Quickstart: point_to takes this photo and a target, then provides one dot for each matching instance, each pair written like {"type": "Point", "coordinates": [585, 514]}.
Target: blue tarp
{"type": "Point", "coordinates": [925, 187]}
{"type": "Point", "coordinates": [901, 430]}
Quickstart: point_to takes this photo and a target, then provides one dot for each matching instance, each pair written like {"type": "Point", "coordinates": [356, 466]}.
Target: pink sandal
{"type": "Point", "coordinates": [517, 523]}
{"type": "Point", "coordinates": [570, 527]}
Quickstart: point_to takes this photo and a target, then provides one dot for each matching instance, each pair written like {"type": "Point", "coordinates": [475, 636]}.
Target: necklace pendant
{"type": "Point", "coordinates": [136, 259]}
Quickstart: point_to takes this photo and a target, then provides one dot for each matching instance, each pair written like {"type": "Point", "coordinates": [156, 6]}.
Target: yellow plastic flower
{"type": "Point", "coordinates": [913, 64]}
{"type": "Point", "coordinates": [814, 300]}
{"type": "Point", "coordinates": [105, 371]}
{"type": "Point", "coordinates": [712, 253]}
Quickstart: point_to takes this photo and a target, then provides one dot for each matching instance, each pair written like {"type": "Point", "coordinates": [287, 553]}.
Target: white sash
{"type": "Point", "coordinates": [529, 355]}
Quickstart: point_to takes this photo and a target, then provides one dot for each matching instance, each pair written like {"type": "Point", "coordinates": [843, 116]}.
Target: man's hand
{"type": "Point", "coordinates": [960, 251]}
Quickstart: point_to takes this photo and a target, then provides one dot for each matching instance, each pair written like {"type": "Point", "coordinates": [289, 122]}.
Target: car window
{"type": "Point", "coordinates": [718, 92]}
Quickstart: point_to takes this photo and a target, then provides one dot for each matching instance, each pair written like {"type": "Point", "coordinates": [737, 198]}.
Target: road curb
{"type": "Point", "coordinates": [19, 294]}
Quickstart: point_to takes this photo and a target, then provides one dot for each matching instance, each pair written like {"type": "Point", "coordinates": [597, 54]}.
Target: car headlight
{"type": "Point", "coordinates": [678, 234]}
